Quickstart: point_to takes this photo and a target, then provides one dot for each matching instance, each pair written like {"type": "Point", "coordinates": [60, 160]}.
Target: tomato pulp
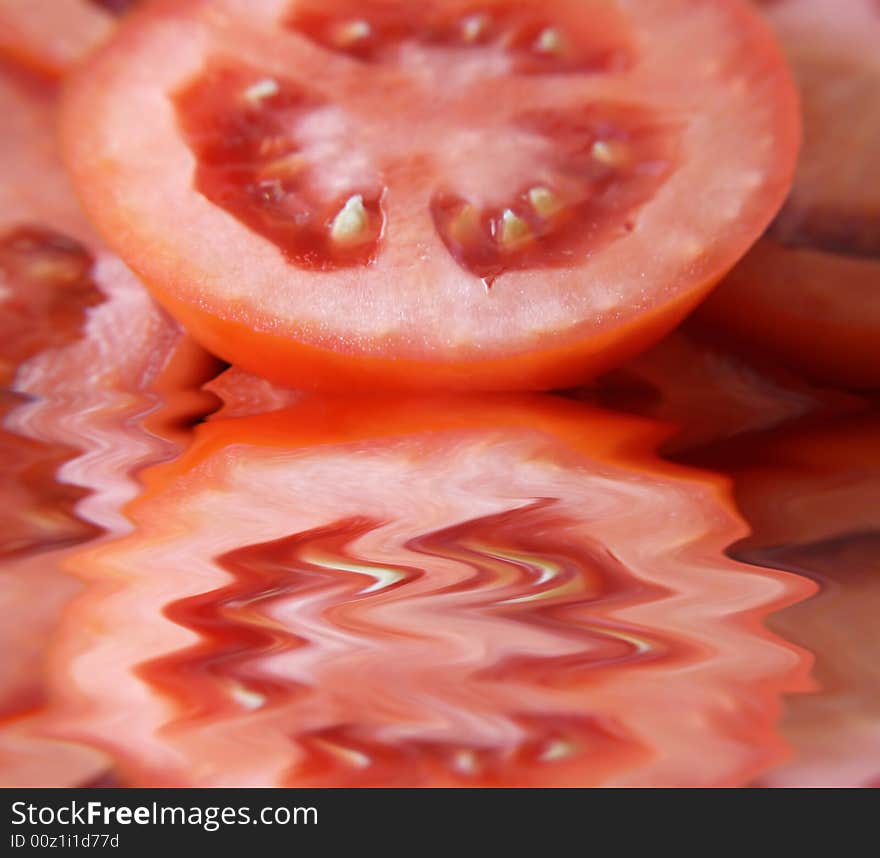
{"type": "Point", "coordinates": [461, 194]}
{"type": "Point", "coordinates": [809, 293]}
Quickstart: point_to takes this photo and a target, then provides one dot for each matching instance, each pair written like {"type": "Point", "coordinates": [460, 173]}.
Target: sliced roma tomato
{"type": "Point", "coordinates": [434, 591]}
{"type": "Point", "coordinates": [50, 40]}
{"type": "Point", "coordinates": [810, 292]}
{"type": "Point", "coordinates": [466, 194]}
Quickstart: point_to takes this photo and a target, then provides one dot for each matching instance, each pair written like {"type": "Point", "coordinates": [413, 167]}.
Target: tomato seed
{"type": "Point", "coordinates": [262, 89]}
{"type": "Point", "coordinates": [612, 153]}
{"type": "Point", "coordinates": [512, 230]}
{"type": "Point", "coordinates": [549, 42]}
{"type": "Point", "coordinates": [544, 201]}
{"type": "Point", "coordinates": [474, 27]}
{"type": "Point", "coordinates": [350, 226]}
{"type": "Point", "coordinates": [352, 32]}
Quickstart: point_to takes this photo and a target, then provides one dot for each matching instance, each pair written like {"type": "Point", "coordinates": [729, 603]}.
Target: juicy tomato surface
{"type": "Point", "coordinates": [809, 293]}
{"type": "Point", "coordinates": [51, 40]}
{"type": "Point", "coordinates": [426, 592]}
{"type": "Point", "coordinates": [461, 194]}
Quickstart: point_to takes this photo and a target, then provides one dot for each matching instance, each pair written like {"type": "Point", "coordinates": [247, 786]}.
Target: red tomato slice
{"type": "Point", "coordinates": [465, 194]}
{"type": "Point", "coordinates": [809, 294]}
{"type": "Point", "coordinates": [50, 40]}
{"type": "Point", "coordinates": [440, 592]}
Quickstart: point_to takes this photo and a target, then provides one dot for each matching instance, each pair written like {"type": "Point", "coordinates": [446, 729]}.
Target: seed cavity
{"type": "Point", "coordinates": [545, 202]}
{"type": "Point", "coordinates": [352, 32]}
{"type": "Point", "coordinates": [258, 92]}
{"type": "Point", "coordinates": [474, 27]}
{"type": "Point", "coordinates": [611, 153]}
{"type": "Point", "coordinates": [549, 41]}
{"type": "Point", "coordinates": [351, 225]}
{"type": "Point", "coordinates": [512, 230]}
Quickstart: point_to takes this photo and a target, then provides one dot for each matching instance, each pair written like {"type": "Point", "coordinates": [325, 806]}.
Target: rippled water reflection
{"type": "Point", "coordinates": [515, 591]}
{"type": "Point", "coordinates": [444, 592]}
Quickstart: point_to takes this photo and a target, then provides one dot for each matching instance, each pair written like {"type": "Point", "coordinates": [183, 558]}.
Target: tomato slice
{"type": "Point", "coordinates": [462, 194]}
{"type": "Point", "coordinates": [809, 293]}
{"type": "Point", "coordinates": [441, 592]}
{"type": "Point", "coordinates": [51, 41]}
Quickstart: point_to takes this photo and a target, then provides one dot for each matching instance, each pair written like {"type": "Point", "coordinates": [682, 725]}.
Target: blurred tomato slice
{"type": "Point", "coordinates": [809, 293]}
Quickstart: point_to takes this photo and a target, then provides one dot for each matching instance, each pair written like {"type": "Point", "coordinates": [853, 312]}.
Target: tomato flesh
{"type": "Point", "coordinates": [810, 493]}
{"type": "Point", "coordinates": [458, 195]}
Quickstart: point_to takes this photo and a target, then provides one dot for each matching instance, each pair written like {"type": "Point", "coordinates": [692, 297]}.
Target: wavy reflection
{"type": "Point", "coordinates": [805, 466]}
{"type": "Point", "coordinates": [427, 592]}
{"type": "Point", "coordinates": [115, 401]}
{"type": "Point", "coordinates": [710, 392]}
{"type": "Point", "coordinates": [97, 383]}
{"type": "Point", "coordinates": [812, 496]}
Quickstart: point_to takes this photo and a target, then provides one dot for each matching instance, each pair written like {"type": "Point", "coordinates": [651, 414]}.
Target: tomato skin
{"type": "Point", "coordinates": [296, 364]}
{"type": "Point", "coordinates": [321, 352]}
